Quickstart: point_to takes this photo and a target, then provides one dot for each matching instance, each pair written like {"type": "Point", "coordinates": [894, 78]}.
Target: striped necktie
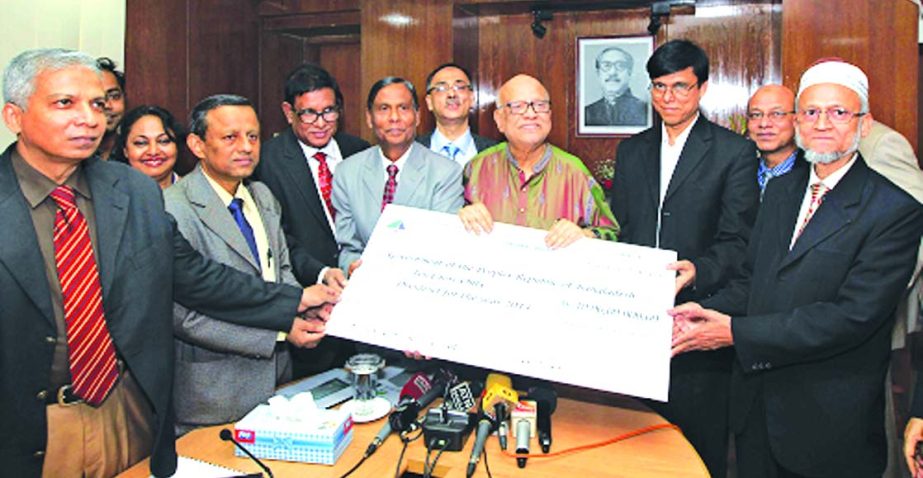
{"type": "Point", "coordinates": [89, 346]}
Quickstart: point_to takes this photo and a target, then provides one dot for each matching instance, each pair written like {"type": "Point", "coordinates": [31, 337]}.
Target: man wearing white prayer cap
{"type": "Point", "coordinates": [810, 321]}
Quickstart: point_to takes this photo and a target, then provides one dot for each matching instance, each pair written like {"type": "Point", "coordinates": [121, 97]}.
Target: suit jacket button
{"type": "Point", "coordinates": [666, 214]}
{"type": "Point", "coordinates": [39, 454]}
{"type": "Point", "coordinates": [50, 340]}
{"type": "Point", "coordinates": [768, 365]}
{"type": "Point", "coordinates": [41, 396]}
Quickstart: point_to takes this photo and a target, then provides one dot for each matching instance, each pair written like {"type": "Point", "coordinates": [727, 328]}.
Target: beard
{"type": "Point", "coordinates": [815, 157]}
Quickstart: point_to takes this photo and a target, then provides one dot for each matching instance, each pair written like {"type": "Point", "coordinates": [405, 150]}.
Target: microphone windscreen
{"type": "Point", "coordinates": [417, 385]}
{"type": "Point", "coordinates": [546, 397]}
{"type": "Point", "coordinates": [225, 434]}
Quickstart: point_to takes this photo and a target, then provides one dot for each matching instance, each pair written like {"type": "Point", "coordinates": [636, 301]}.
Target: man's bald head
{"type": "Point", "coordinates": [523, 112]}
{"type": "Point", "coordinates": [771, 122]}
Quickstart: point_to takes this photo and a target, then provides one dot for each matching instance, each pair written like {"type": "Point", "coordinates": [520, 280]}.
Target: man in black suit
{"type": "Point", "coordinates": [618, 106]}
{"type": "Point", "coordinates": [90, 261]}
{"type": "Point", "coordinates": [811, 318]}
{"type": "Point", "coordinates": [298, 166]}
{"type": "Point", "coordinates": [688, 185]}
{"type": "Point", "coordinates": [449, 95]}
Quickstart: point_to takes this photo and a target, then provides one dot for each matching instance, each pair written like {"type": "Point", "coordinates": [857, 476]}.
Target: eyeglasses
{"type": "Point", "coordinates": [680, 90]}
{"type": "Point", "coordinates": [834, 115]}
{"type": "Point", "coordinates": [619, 66]}
{"type": "Point", "coordinates": [773, 116]}
{"type": "Point", "coordinates": [520, 107]}
{"type": "Point", "coordinates": [443, 87]}
{"type": "Point", "coordinates": [310, 116]}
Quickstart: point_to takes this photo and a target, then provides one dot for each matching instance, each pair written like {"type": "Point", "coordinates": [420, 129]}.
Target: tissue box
{"type": "Point", "coordinates": [320, 436]}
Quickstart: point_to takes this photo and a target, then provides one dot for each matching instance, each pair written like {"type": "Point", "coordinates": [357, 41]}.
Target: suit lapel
{"type": "Point", "coordinates": [215, 215]}
{"type": "Point", "coordinates": [19, 251]}
{"type": "Point", "coordinates": [301, 179]}
{"type": "Point", "coordinates": [374, 176]}
{"type": "Point", "coordinates": [790, 205]}
{"type": "Point", "coordinates": [838, 210]}
{"type": "Point", "coordinates": [110, 205]}
{"type": "Point", "coordinates": [270, 220]}
{"type": "Point", "coordinates": [651, 165]}
{"type": "Point", "coordinates": [410, 177]}
{"type": "Point", "coordinates": [697, 144]}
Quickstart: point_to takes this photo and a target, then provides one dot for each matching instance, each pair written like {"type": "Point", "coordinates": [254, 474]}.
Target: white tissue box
{"type": "Point", "coordinates": [320, 436]}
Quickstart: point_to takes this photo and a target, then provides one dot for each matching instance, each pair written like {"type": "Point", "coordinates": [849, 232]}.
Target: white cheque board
{"type": "Point", "coordinates": [592, 314]}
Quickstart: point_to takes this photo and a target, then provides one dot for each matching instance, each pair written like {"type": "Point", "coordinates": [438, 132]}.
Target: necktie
{"type": "Point", "coordinates": [390, 186]}
{"type": "Point", "coordinates": [89, 345]}
{"type": "Point", "coordinates": [325, 181]}
{"type": "Point", "coordinates": [450, 151]}
{"type": "Point", "coordinates": [237, 210]}
{"type": "Point", "coordinates": [818, 190]}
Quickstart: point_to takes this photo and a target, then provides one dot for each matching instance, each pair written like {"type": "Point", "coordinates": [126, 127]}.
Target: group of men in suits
{"type": "Point", "coordinates": [90, 266]}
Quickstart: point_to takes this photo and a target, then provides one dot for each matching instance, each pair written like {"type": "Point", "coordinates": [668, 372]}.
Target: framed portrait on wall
{"type": "Point", "coordinates": [612, 94]}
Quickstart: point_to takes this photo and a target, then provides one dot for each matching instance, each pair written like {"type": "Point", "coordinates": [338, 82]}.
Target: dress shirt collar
{"type": "Point", "coordinates": [331, 149]}
{"type": "Point", "coordinates": [385, 162]}
{"type": "Point", "coordinates": [463, 142]}
{"type": "Point", "coordinates": [36, 186]}
{"type": "Point", "coordinates": [681, 138]}
{"type": "Point", "coordinates": [834, 178]}
{"type": "Point", "coordinates": [226, 198]}
{"type": "Point", "coordinates": [765, 173]}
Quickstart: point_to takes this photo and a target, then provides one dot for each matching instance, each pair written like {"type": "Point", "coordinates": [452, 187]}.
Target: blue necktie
{"type": "Point", "coordinates": [451, 151]}
{"type": "Point", "coordinates": [237, 210]}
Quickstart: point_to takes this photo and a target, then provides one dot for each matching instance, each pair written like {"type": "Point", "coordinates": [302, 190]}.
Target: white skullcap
{"type": "Point", "coordinates": [837, 72]}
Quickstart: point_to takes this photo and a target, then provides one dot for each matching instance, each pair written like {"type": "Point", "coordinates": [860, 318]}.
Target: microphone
{"type": "Point", "coordinates": [500, 396]}
{"type": "Point", "coordinates": [416, 394]}
{"type": "Point", "coordinates": [547, 400]}
{"type": "Point", "coordinates": [523, 435]}
{"type": "Point", "coordinates": [485, 426]}
{"type": "Point", "coordinates": [226, 435]}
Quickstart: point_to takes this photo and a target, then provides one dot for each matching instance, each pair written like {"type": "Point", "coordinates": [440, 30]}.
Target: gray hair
{"type": "Point", "coordinates": [19, 76]}
{"type": "Point", "coordinates": [198, 124]}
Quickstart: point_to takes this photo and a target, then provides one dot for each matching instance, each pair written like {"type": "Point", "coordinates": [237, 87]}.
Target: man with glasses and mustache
{"type": "Point", "coordinates": [771, 125]}
{"type": "Point", "coordinates": [449, 96]}
{"type": "Point", "coordinates": [527, 181]}
{"type": "Point", "coordinates": [298, 166]}
{"type": "Point", "coordinates": [810, 321]}
{"type": "Point", "coordinates": [688, 185]}
{"type": "Point", "coordinates": [617, 107]}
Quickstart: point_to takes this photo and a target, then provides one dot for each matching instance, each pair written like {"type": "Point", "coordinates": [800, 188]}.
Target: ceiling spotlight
{"type": "Point", "coordinates": [539, 16]}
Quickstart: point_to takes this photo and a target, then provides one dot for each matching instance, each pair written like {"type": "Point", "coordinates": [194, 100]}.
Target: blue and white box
{"type": "Point", "coordinates": [308, 436]}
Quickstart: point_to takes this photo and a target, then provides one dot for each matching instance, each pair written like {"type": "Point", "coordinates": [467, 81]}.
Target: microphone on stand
{"type": "Point", "coordinates": [226, 435]}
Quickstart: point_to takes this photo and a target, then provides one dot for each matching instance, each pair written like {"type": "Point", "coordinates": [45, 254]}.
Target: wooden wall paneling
{"type": "Point", "coordinates": [281, 7]}
{"type": "Point", "coordinates": [403, 38]}
{"type": "Point", "coordinates": [466, 53]}
{"type": "Point", "coordinates": [279, 54]}
{"type": "Point", "coordinates": [508, 48]}
{"type": "Point", "coordinates": [879, 37]}
{"type": "Point", "coordinates": [156, 63]}
{"type": "Point", "coordinates": [223, 49]}
{"type": "Point", "coordinates": [743, 49]}
{"type": "Point", "coordinates": [343, 62]}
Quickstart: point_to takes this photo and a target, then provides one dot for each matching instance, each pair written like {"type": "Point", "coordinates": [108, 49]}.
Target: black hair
{"type": "Point", "coordinates": [197, 122]}
{"type": "Point", "coordinates": [429, 78]}
{"type": "Point", "coordinates": [677, 55]}
{"type": "Point", "coordinates": [171, 126]}
{"type": "Point", "coordinates": [307, 78]}
{"type": "Point", "coordinates": [391, 80]}
{"type": "Point", "coordinates": [106, 64]}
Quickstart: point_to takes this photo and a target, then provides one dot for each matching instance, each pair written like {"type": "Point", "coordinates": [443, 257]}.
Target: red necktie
{"type": "Point", "coordinates": [325, 181]}
{"type": "Point", "coordinates": [390, 186]}
{"type": "Point", "coordinates": [90, 350]}
{"type": "Point", "coordinates": [818, 190]}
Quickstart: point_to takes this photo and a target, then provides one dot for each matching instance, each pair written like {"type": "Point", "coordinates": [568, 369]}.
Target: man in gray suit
{"type": "Point", "coordinates": [396, 171]}
{"type": "Point", "coordinates": [223, 370]}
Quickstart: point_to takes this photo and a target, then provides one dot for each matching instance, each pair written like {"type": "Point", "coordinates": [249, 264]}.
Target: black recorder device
{"type": "Point", "coordinates": [451, 427]}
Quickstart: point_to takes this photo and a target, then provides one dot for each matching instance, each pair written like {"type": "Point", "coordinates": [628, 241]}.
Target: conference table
{"type": "Point", "coordinates": [577, 422]}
